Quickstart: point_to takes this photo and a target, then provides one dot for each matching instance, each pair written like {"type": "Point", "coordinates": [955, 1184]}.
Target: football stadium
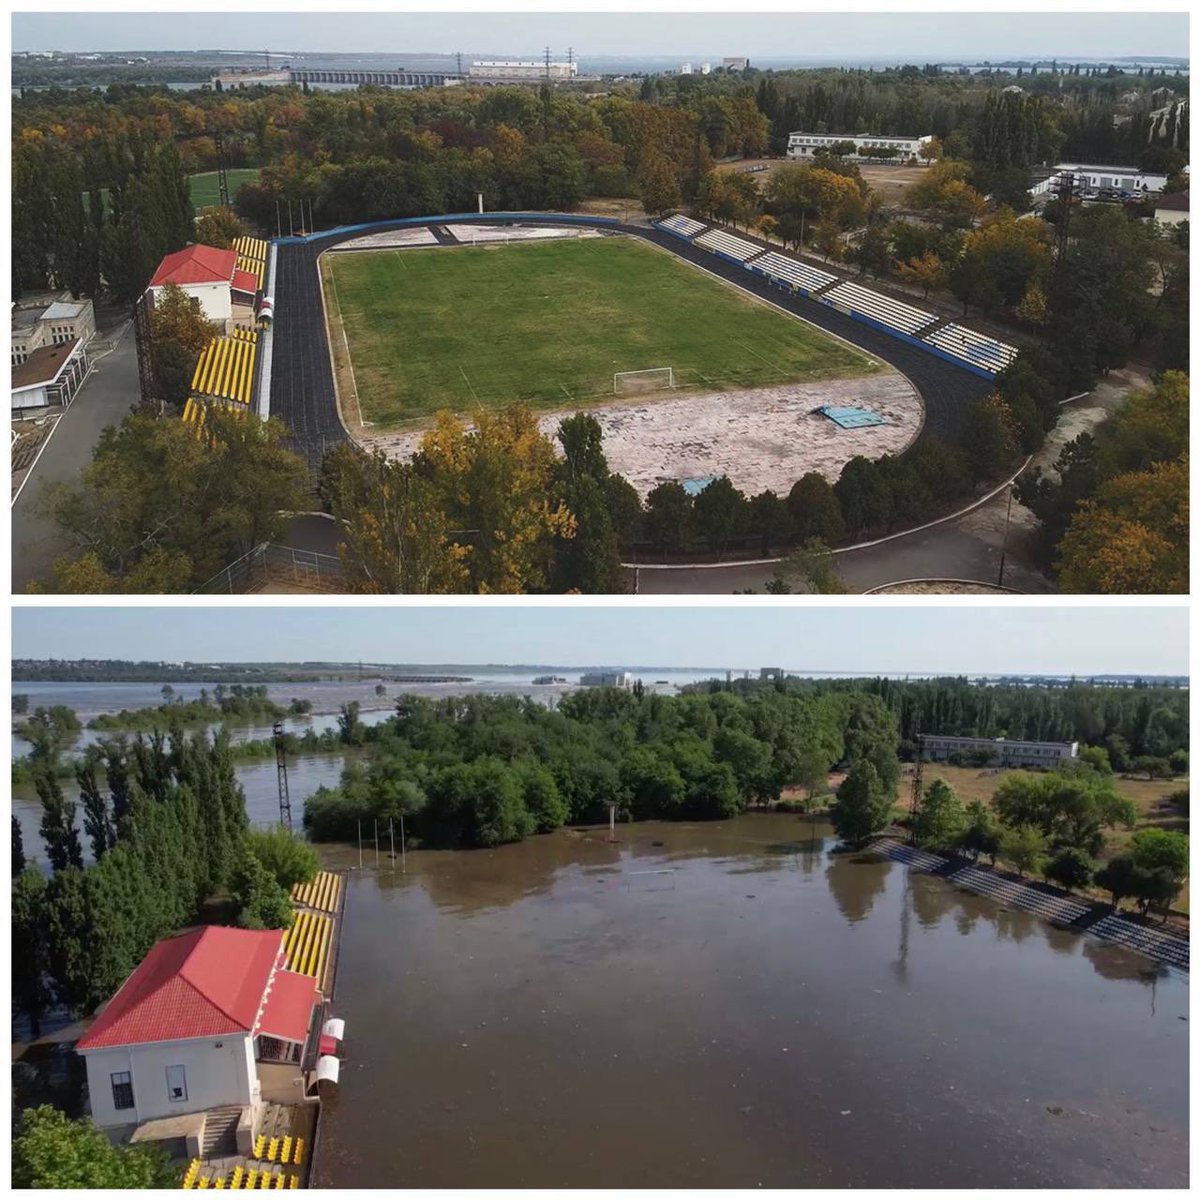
{"type": "Point", "coordinates": [700, 351]}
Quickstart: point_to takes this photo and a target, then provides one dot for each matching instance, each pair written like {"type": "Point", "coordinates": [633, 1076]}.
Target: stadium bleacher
{"type": "Point", "coordinates": [799, 275]}
{"type": "Point", "coordinates": [251, 256]}
{"type": "Point", "coordinates": [727, 245]}
{"type": "Point", "coordinates": [850, 297]}
{"type": "Point", "coordinates": [226, 367]}
{"type": "Point", "coordinates": [683, 226]}
{"type": "Point", "coordinates": [974, 348]}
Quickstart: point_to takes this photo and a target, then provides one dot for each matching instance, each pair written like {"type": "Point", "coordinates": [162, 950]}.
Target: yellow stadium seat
{"type": "Point", "coordinates": [279, 1181]}
{"type": "Point", "coordinates": [298, 1155]}
{"type": "Point", "coordinates": [259, 1142]}
{"type": "Point", "coordinates": [220, 1182]}
{"type": "Point", "coordinates": [295, 1182]}
{"type": "Point", "coordinates": [251, 1179]}
{"type": "Point", "coordinates": [204, 1181]}
{"type": "Point", "coordinates": [236, 1181]}
{"type": "Point", "coordinates": [272, 1147]}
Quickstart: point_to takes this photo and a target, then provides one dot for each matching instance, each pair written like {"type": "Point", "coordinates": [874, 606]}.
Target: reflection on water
{"type": "Point", "coordinates": [731, 1004]}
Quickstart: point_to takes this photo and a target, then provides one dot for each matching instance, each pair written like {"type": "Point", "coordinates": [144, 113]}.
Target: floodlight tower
{"type": "Point", "coordinates": [285, 800]}
{"type": "Point", "coordinates": [914, 800]}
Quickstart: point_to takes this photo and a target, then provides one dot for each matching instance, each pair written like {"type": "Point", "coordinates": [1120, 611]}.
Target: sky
{"type": "Point", "coordinates": [963, 638]}
{"type": "Point", "coordinates": [858, 37]}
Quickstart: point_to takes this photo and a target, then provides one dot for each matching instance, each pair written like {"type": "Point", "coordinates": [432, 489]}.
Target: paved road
{"type": "Point", "coordinates": [104, 400]}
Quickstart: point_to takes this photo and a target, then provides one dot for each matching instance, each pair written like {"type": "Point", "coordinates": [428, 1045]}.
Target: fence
{"type": "Point", "coordinates": [279, 565]}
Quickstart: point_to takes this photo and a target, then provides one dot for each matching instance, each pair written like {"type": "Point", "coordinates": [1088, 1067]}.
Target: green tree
{"type": "Point", "coordinates": [220, 227]}
{"type": "Point", "coordinates": [52, 1151]}
{"type": "Point", "coordinates": [720, 512]}
{"type": "Point", "coordinates": [669, 517]}
{"type": "Point", "coordinates": [940, 819]}
{"type": "Point", "coordinates": [288, 858]}
{"type": "Point", "coordinates": [1023, 847]}
{"type": "Point", "coordinates": [981, 833]}
{"type": "Point", "coordinates": [863, 806]}
{"type": "Point", "coordinates": [1071, 868]}
{"type": "Point", "coordinates": [30, 959]}
{"type": "Point", "coordinates": [259, 900]}
{"type": "Point", "coordinates": [179, 334]}
{"type": "Point", "coordinates": [815, 510]}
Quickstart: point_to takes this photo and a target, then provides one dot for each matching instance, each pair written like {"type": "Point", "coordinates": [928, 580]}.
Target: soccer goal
{"type": "Point", "coordinates": [652, 380]}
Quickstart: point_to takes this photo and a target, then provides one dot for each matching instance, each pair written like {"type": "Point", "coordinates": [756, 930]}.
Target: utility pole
{"type": "Point", "coordinates": [1004, 539]}
{"type": "Point", "coordinates": [918, 790]}
{"type": "Point", "coordinates": [278, 222]}
{"type": "Point", "coordinates": [291, 227]}
{"type": "Point", "coordinates": [403, 860]}
{"type": "Point", "coordinates": [360, 845]}
{"type": "Point", "coordinates": [458, 57]}
{"type": "Point", "coordinates": [547, 57]}
{"type": "Point", "coordinates": [281, 776]}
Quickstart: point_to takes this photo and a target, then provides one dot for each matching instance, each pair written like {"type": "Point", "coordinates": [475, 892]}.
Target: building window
{"type": "Point", "coordinates": [176, 1085]}
{"type": "Point", "coordinates": [122, 1088]}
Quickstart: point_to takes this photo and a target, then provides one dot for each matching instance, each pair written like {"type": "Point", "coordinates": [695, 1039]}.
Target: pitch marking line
{"type": "Point", "coordinates": [469, 384]}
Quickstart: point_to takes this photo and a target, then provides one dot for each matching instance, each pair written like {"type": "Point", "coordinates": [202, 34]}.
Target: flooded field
{"type": "Point", "coordinates": [731, 1005]}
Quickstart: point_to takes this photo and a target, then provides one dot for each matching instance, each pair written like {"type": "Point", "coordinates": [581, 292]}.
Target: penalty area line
{"type": "Point", "coordinates": [469, 383]}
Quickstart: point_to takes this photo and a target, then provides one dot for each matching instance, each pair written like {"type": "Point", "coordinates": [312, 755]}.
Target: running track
{"type": "Point", "coordinates": [302, 391]}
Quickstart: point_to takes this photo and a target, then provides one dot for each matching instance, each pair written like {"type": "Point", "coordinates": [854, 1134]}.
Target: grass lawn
{"type": "Point", "coordinates": [969, 783]}
{"type": "Point", "coordinates": [548, 323]}
{"type": "Point", "coordinates": [204, 187]}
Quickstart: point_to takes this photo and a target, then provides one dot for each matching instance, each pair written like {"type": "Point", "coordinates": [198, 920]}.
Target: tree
{"type": "Point", "coordinates": [720, 513]}
{"type": "Point", "coordinates": [1119, 877]}
{"type": "Point", "coordinates": [863, 806]}
{"type": "Point", "coordinates": [179, 334]}
{"type": "Point", "coordinates": [1162, 850]}
{"type": "Point", "coordinates": [588, 561]}
{"type": "Point", "coordinates": [940, 818]}
{"type": "Point", "coordinates": [1023, 847]}
{"type": "Point", "coordinates": [18, 848]}
{"type": "Point", "coordinates": [863, 496]}
{"type": "Point", "coordinates": [30, 959]}
{"type": "Point", "coordinates": [97, 823]}
{"type": "Point", "coordinates": [259, 900]}
{"type": "Point", "coordinates": [52, 1151]}
{"type": "Point", "coordinates": [159, 510]}
{"type": "Point", "coordinates": [658, 187]}
{"type": "Point", "coordinates": [395, 535]}
{"type": "Point", "coordinates": [669, 516]}
{"type": "Point", "coordinates": [988, 438]}
{"type": "Point", "coordinates": [1072, 808]}
{"type": "Point", "coordinates": [1071, 868]}
{"type": "Point", "coordinates": [220, 227]}
{"type": "Point", "coordinates": [981, 833]}
{"type": "Point", "coordinates": [289, 859]}
{"type": "Point", "coordinates": [814, 509]}
{"type": "Point", "coordinates": [58, 822]}
{"type": "Point", "coordinates": [926, 272]}
{"type": "Point", "coordinates": [497, 481]}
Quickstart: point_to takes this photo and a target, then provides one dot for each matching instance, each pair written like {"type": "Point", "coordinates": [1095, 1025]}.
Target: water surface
{"type": "Point", "coordinates": [731, 1005]}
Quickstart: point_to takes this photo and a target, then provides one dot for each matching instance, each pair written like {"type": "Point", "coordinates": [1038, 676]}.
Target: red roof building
{"type": "Point", "coordinates": [195, 264]}
{"type": "Point", "coordinates": [205, 982]}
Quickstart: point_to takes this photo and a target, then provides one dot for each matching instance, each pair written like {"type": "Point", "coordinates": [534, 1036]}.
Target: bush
{"type": "Point", "coordinates": [261, 903]}
{"type": "Point", "coordinates": [1023, 848]}
{"type": "Point", "coordinates": [289, 859]}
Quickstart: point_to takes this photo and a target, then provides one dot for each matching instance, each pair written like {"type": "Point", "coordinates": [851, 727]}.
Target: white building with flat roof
{"type": "Point", "coordinates": [619, 679]}
{"type": "Point", "coordinates": [524, 70]}
{"type": "Point", "coordinates": [1005, 752]}
{"type": "Point", "coordinates": [1093, 178]}
{"type": "Point", "coordinates": [804, 145]}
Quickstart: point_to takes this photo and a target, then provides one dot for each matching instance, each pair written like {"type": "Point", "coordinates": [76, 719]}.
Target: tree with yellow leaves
{"type": "Point", "coordinates": [926, 271]}
{"type": "Point", "coordinates": [1132, 539]}
{"type": "Point", "coordinates": [496, 483]}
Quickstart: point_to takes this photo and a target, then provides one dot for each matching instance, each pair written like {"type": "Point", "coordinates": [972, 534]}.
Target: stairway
{"type": "Point", "coordinates": [220, 1131]}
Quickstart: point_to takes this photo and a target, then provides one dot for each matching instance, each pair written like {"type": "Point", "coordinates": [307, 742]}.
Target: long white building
{"type": "Point", "coordinates": [1128, 179]}
{"type": "Point", "coordinates": [525, 70]}
{"type": "Point", "coordinates": [805, 145]}
{"type": "Point", "coordinates": [1006, 752]}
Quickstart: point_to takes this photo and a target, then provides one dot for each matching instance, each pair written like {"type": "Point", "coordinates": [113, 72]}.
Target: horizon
{"type": "Point", "coordinates": [883, 36]}
{"type": "Point", "coordinates": [943, 639]}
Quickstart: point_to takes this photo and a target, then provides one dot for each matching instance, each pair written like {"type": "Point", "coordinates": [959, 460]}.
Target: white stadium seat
{"type": "Point", "coordinates": [800, 274]}
{"type": "Point", "coordinates": [975, 348]}
{"type": "Point", "coordinates": [725, 243]}
{"type": "Point", "coordinates": [684, 226]}
{"type": "Point", "coordinates": [885, 310]}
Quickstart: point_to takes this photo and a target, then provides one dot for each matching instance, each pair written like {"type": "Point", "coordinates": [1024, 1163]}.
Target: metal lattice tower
{"type": "Point", "coordinates": [285, 800]}
{"type": "Point", "coordinates": [1065, 191]}
{"type": "Point", "coordinates": [222, 177]}
{"type": "Point", "coordinates": [143, 340]}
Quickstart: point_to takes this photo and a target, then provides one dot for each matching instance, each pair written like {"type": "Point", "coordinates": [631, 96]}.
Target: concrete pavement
{"type": "Point", "coordinates": [104, 400]}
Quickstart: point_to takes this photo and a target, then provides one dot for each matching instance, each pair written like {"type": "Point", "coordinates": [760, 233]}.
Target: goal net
{"type": "Point", "coordinates": [651, 380]}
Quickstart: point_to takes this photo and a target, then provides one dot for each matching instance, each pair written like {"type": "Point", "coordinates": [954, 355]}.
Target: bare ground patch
{"type": "Point", "coordinates": [761, 437]}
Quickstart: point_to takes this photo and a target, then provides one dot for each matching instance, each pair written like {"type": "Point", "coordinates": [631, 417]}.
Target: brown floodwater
{"type": "Point", "coordinates": [731, 1004]}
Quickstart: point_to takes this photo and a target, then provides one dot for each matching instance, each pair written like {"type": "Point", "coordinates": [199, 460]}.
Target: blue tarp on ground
{"type": "Point", "coordinates": [694, 487]}
{"type": "Point", "coordinates": [851, 418]}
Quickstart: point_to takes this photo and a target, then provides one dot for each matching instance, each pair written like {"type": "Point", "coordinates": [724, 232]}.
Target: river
{"type": "Point", "coordinates": [730, 1004]}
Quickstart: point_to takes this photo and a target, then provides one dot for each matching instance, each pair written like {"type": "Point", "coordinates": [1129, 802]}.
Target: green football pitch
{"type": "Point", "coordinates": [205, 193]}
{"type": "Point", "coordinates": [549, 323]}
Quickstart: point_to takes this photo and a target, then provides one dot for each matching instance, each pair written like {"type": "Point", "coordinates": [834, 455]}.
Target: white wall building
{"type": "Point", "coordinates": [50, 376]}
{"type": "Point", "coordinates": [620, 679]}
{"type": "Point", "coordinates": [1127, 179]}
{"type": "Point", "coordinates": [50, 321]}
{"type": "Point", "coordinates": [805, 145]}
{"type": "Point", "coordinates": [1006, 752]}
{"type": "Point", "coordinates": [186, 1032]}
{"type": "Point", "coordinates": [211, 277]}
{"type": "Point", "coordinates": [526, 70]}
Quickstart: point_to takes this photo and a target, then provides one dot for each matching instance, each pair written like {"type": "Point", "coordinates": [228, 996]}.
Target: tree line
{"type": "Point", "coordinates": [165, 819]}
{"type": "Point", "coordinates": [481, 771]}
